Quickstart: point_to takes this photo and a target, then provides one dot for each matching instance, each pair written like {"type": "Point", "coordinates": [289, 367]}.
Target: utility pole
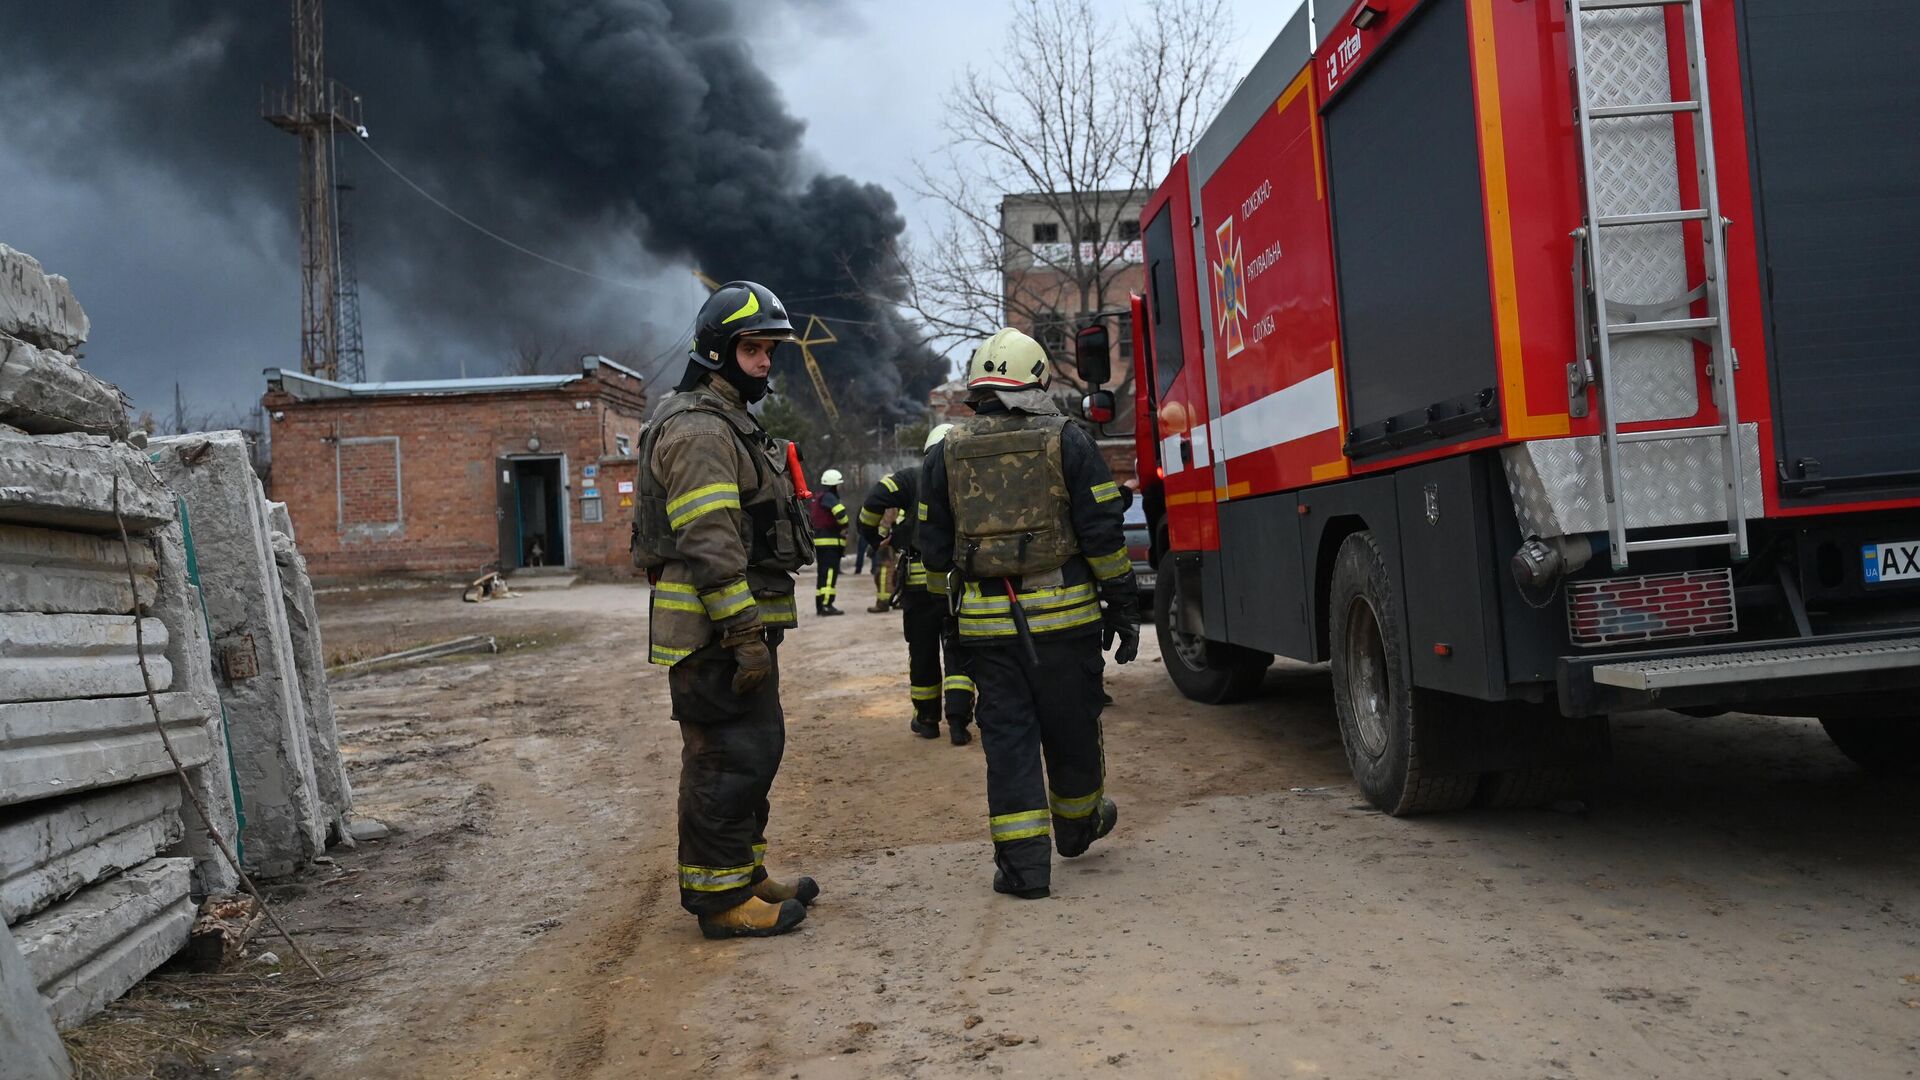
{"type": "Point", "coordinates": [353, 353]}
{"type": "Point", "coordinates": [315, 109]}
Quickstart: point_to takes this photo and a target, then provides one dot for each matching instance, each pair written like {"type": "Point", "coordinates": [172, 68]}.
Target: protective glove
{"type": "Point", "coordinates": [753, 660]}
{"type": "Point", "coordinates": [1120, 619]}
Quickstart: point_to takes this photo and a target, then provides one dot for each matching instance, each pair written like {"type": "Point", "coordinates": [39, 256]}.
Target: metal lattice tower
{"type": "Point", "coordinates": [353, 355]}
{"type": "Point", "coordinates": [315, 108]}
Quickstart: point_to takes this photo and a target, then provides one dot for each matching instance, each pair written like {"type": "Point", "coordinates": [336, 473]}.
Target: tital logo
{"type": "Point", "coordinates": [1229, 288]}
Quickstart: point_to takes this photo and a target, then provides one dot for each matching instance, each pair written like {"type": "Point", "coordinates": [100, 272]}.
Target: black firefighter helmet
{"type": "Point", "coordinates": [735, 310]}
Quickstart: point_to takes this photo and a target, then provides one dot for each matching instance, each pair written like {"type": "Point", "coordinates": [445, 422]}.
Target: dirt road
{"type": "Point", "coordinates": [1737, 900]}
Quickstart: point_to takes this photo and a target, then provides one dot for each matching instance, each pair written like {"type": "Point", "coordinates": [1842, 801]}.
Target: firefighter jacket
{"type": "Point", "coordinates": [716, 522]}
{"type": "Point", "coordinates": [900, 492]}
{"type": "Point", "coordinates": [1070, 485]}
{"type": "Point", "coordinates": [829, 519]}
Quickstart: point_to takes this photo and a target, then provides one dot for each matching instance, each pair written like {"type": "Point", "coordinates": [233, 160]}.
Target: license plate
{"type": "Point", "coordinates": [1891, 562]}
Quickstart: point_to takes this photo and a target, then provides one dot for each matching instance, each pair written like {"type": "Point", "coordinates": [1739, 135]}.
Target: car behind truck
{"type": "Point", "coordinates": [1532, 362]}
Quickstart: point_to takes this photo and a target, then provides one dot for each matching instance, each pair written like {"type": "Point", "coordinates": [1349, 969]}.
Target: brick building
{"type": "Point", "coordinates": [453, 476]}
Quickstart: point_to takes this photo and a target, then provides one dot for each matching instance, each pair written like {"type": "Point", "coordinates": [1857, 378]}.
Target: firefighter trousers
{"type": "Point", "coordinates": [829, 577]}
{"type": "Point", "coordinates": [930, 645]}
{"type": "Point", "coordinates": [1027, 715]}
{"type": "Point", "coordinates": [730, 749]}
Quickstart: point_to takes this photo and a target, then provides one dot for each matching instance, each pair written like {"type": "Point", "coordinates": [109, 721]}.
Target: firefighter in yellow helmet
{"type": "Point", "coordinates": [923, 610]}
{"type": "Point", "coordinates": [828, 517]}
{"type": "Point", "coordinates": [720, 532]}
{"type": "Point", "coordinates": [1018, 505]}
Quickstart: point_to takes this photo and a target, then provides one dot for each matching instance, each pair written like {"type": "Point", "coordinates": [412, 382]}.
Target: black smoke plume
{"type": "Point", "coordinates": [582, 128]}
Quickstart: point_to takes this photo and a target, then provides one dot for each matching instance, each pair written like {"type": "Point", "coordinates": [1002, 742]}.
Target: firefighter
{"type": "Point", "coordinates": [923, 611]}
{"type": "Point", "coordinates": [720, 532]}
{"type": "Point", "coordinates": [829, 520]}
{"type": "Point", "coordinates": [1017, 504]}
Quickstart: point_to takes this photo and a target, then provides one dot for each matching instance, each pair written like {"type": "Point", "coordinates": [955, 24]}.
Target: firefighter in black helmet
{"type": "Point", "coordinates": [1017, 502]}
{"type": "Point", "coordinates": [720, 532]}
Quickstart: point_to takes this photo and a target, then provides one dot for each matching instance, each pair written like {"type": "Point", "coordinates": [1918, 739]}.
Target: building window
{"type": "Point", "coordinates": [1050, 329]}
{"type": "Point", "coordinates": [1046, 232]}
{"type": "Point", "coordinates": [590, 509]}
{"type": "Point", "coordinates": [1130, 230]}
{"type": "Point", "coordinates": [1089, 232]}
{"type": "Point", "coordinates": [623, 444]}
{"type": "Point", "coordinates": [1126, 338]}
{"type": "Point", "coordinates": [367, 486]}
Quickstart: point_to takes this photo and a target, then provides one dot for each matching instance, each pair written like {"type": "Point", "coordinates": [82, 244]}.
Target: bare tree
{"type": "Point", "coordinates": [540, 356]}
{"type": "Point", "coordinates": [1079, 119]}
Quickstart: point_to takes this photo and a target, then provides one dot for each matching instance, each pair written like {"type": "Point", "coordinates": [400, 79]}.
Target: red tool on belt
{"type": "Point", "coordinates": [799, 474]}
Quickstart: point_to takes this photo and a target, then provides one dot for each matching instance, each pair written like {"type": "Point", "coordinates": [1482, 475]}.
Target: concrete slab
{"type": "Point", "coordinates": [46, 393]}
{"type": "Point", "coordinates": [51, 848]}
{"type": "Point", "coordinates": [54, 657]}
{"type": "Point", "coordinates": [310, 660]}
{"type": "Point", "coordinates": [30, 1048]}
{"type": "Point", "coordinates": [54, 748]}
{"type": "Point", "coordinates": [37, 306]}
{"type": "Point", "coordinates": [253, 649]}
{"type": "Point", "coordinates": [89, 950]}
{"type": "Point", "coordinates": [66, 482]}
{"type": "Point", "coordinates": [191, 654]}
{"type": "Point", "coordinates": [55, 572]}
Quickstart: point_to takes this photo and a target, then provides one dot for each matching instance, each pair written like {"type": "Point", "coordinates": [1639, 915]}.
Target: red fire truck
{"type": "Point", "coordinates": [1536, 360]}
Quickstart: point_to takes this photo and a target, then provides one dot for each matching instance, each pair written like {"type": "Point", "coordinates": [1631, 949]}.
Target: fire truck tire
{"type": "Point", "coordinates": [1385, 721]}
{"type": "Point", "coordinates": [1889, 745]}
{"type": "Point", "coordinates": [1210, 672]}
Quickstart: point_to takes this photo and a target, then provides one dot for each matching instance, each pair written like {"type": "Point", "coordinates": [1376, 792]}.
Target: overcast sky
{"type": "Point", "coordinates": [198, 286]}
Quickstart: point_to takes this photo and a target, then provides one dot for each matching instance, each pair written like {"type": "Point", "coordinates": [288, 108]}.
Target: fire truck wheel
{"type": "Point", "coordinates": [1385, 722]}
{"type": "Point", "coordinates": [1889, 745]}
{"type": "Point", "coordinates": [1211, 672]}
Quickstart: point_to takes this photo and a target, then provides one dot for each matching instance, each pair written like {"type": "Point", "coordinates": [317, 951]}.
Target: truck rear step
{"type": "Point", "coordinates": [1840, 658]}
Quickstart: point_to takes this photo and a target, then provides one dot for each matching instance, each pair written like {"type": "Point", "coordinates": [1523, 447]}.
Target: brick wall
{"type": "Point", "coordinates": [406, 484]}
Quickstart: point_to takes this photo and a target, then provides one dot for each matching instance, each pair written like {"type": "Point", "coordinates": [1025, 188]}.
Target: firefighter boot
{"type": "Point", "coordinates": [925, 724]}
{"type": "Point", "coordinates": [803, 889]}
{"type": "Point", "coordinates": [1009, 886]}
{"type": "Point", "coordinates": [1105, 816]}
{"type": "Point", "coordinates": [957, 730]}
{"type": "Point", "coordinates": [754, 918]}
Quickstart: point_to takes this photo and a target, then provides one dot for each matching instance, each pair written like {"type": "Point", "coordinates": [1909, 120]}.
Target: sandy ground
{"type": "Point", "coordinates": [1735, 900]}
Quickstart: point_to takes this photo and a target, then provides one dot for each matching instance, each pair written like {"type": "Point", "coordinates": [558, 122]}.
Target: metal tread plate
{"type": "Point", "coordinates": [1795, 661]}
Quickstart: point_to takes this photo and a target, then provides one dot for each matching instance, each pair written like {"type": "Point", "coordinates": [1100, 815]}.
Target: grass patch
{"type": "Point", "coordinates": [174, 1019]}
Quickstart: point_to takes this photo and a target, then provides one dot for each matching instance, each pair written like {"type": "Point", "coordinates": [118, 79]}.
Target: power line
{"type": "Point", "coordinates": [496, 237]}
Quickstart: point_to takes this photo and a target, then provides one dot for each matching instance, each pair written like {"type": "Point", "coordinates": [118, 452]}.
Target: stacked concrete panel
{"type": "Point", "coordinates": [30, 1048]}
{"type": "Point", "coordinates": [259, 680]}
{"type": "Point", "coordinates": [100, 855]}
{"type": "Point", "coordinates": [310, 657]}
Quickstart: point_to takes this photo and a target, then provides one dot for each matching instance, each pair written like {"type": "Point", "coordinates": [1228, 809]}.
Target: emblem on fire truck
{"type": "Point", "coordinates": [1229, 288]}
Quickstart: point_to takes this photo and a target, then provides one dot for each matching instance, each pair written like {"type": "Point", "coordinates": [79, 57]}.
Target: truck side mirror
{"type": "Point", "coordinates": [1091, 355]}
{"type": "Point", "coordinates": [1098, 406]}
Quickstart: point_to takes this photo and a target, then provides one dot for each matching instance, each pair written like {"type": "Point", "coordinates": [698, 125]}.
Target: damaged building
{"type": "Point", "coordinates": [456, 476]}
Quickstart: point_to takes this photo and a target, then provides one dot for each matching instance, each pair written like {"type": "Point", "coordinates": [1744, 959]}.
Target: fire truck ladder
{"type": "Point", "coordinates": [1588, 24]}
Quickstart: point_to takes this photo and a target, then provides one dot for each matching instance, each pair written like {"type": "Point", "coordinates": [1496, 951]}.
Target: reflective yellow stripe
{"type": "Point", "coordinates": [712, 879]}
{"type": "Point", "coordinates": [829, 541]}
{"type": "Point", "coordinates": [917, 575]}
{"type": "Point", "coordinates": [1106, 492]}
{"type": "Point", "coordinates": [730, 600]}
{"type": "Point", "coordinates": [924, 693]}
{"type": "Point", "coordinates": [681, 587]}
{"type": "Point", "coordinates": [702, 500]}
{"type": "Point", "coordinates": [888, 483]}
{"type": "Point", "coordinates": [840, 513]}
{"type": "Point", "coordinates": [1075, 808]}
{"type": "Point", "coordinates": [977, 626]}
{"type": "Point", "coordinates": [759, 854]}
{"type": "Point", "coordinates": [778, 611]}
{"type": "Point", "coordinates": [1108, 567]}
{"type": "Point", "coordinates": [670, 604]}
{"type": "Point", "coordinates": [959, 683]}
{"type": "Point", "coordinates": [869, 518]}
{"type": "Point", "coordinates": [936, 583]}
{"type": "Point", "coordinates": [750, 307]}
{"type": "Point", "coordinates": [921, 513]}
{"type": "Point", "coordinates": [666, 655]}
{"type": "Point", "coordinates": [977, 603]}
{"type": "Point", "coordinates": [1005, 827]}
